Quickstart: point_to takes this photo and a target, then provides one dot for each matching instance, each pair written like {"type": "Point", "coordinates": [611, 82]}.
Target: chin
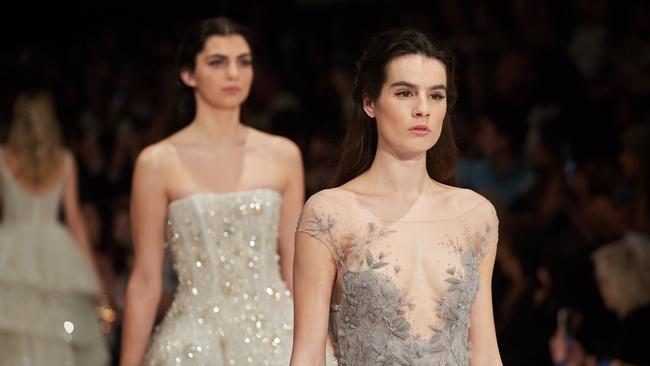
{"type": "Point", "coordinates": [229, 104]}
{"type": "Point", "coordinates": [412, 152]}
{"type": "Point", "coordinates": [228, 101]}
{"type": "Point", "coordinates": [234, 105]}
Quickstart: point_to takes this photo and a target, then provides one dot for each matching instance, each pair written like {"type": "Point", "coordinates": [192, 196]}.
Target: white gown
{"type": "Point", "coordinates": [47, 289]}
{"type": "Point", "coordinates": [231, 306]}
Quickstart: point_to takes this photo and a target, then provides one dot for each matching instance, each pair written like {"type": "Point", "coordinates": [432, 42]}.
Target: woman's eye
{"type": "Point", "coordinates": [245, 62]}
{"type": "Point", "coordinates": [404, 93]}
{"type": "Point", "coordinates": [437, 96]}
{"type": "Point", "coordinates": [216, 63]}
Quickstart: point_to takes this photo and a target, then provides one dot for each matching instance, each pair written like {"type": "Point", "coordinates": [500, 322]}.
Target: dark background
{"type": "Point", "coordinates": [548, 92]}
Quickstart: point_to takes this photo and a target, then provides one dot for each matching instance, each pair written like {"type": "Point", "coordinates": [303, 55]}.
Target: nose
{"type": "Point", "coordinates": [232, 72]}
{"type": "Point", "coordinates": [420, 109]}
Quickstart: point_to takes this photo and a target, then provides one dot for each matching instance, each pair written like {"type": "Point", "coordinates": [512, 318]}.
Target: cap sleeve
{"type": "Point", "coordinates": [489, 227]}
{"type": "Point", "coordinates": [320, 219]}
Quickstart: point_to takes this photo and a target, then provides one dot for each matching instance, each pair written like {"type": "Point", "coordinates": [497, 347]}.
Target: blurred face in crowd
{"type": "Point", "coordinates": [609, 290]}
{"type": "Point", "coordinates": [223, 73]}
{"type": "Point", "coordinates": [411, 106]}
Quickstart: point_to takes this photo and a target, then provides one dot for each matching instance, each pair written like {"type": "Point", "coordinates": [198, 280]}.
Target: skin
{"type": "Point", "coordinates": [194, 161]}
{"type": "Point", "coordinates": [414, 93]}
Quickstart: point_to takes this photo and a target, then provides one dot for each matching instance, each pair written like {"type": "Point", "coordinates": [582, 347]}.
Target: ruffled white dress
{"type": "Point", "coordinates": [47, 312]}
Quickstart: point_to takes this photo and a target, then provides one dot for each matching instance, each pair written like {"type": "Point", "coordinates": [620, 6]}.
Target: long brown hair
{"type": "Point", "coordinates": [360, 142]}
{"type": "Point", "coordinates": [35, 137]}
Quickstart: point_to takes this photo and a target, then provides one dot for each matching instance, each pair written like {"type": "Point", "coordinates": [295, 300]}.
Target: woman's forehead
{"type": "Point", "coordinates": [416, 69]}
{"type": "Point", "coordinates": [231, 45]}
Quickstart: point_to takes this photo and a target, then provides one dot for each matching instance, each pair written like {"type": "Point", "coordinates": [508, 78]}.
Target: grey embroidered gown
{"type": "Point", "coordinates": [231, 306]}
{"type": "Point", "coordinates": [404, 289]}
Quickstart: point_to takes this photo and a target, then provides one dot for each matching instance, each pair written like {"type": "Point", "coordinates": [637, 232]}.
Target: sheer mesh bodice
{"type": "Point", "coordinates": [231, 306]}
{"type": "Point", "coordinates": [404, 288]}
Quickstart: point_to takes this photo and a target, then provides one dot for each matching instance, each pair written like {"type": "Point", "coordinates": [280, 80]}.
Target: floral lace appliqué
{"type": "Point", "coordinates": [368, 323]}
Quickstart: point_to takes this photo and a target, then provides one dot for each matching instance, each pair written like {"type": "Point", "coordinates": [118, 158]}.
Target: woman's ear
{"type": "Point", "coordinates": [187, 77]}
{"type": "Point", "coordinates": [369, 107]}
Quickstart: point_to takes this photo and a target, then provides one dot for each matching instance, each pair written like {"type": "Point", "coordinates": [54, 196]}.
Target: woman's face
{"type": "Point", "coordinates": [411, 106]}
{"type": "Point", "coordinates": [223, 72]}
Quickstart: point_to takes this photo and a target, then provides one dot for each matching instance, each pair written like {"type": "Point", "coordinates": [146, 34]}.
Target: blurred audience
{"type": "Point", "coordinates": [552, 122]}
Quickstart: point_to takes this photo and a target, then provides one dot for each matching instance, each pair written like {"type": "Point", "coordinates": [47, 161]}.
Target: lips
{"type": "Point", "coordinates": [231, 89]}
{"type": "Point", "coordinates": [420, 130]}
{"type": "Point", "coordinates": [423, 128]}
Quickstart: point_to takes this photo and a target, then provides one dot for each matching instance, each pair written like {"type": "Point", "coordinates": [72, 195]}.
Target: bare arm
{"type": "Point", "coordinates": [73, 217]}
{"type": "Point", "coordinates": [482, 335]}
{"type": "Point", "coordinates": [314, 276]}
{"type": "Point", "coordinates": [293, 198]}
{"type": "Point", "coordinates": [148, 211]}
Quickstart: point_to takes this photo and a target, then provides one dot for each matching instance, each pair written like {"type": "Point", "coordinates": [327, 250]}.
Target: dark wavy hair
{"type": "Point", "coordinates": [191, 45]}
{"type": "Point", "coordinates": [360, 142]}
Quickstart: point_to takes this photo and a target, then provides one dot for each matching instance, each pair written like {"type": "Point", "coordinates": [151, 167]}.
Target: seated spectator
{"type": "Point", "coordinates": [622, 270]}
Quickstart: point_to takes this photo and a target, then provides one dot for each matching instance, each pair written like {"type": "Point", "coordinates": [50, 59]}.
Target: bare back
{"type": "Point", "coordinates": [52, 183]}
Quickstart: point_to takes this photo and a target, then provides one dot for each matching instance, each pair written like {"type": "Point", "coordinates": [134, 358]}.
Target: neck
{"type": "Point", "coordinates": [392, 175]}
{"type": "Point", "coordinates": [217, 124]}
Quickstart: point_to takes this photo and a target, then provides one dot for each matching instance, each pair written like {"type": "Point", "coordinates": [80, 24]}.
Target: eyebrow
{"type": "Point", "coordinates": [218, 55]}
{"type": "Point", "coordinates": [411, 85]}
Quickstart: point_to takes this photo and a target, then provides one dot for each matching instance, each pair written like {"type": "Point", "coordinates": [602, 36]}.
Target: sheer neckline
{"type": "Point", "coordinates": [360, 210]}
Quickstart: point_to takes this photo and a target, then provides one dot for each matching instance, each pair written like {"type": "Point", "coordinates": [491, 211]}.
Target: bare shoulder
{"type": "Point", "coordinates": [67, 154]}
{"type": "Point", "coordinates": [5, 149]}
{"type": "Point", "coordinates": [68, 160]}
{"type": "Point", "coordinates": [461, 200]}
{"type": "Point", "coordinates": [330, 199]}
{"type": "Point", "coordinates": [336, 193]}
{"type": "Point", "coordinates": [7, 153]}
{"type": "Point", "coordinates": [156, 156]}
{"type": "Point", "coordinates": [279, 147]}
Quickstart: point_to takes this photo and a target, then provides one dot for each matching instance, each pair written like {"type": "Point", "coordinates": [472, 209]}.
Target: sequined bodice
{"type": "Point", "coordinates": [404, 289]}
{"type": "Point", "coordinates": [214, 238]}
{"type": "Point", "coordinates": [231, 302]}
